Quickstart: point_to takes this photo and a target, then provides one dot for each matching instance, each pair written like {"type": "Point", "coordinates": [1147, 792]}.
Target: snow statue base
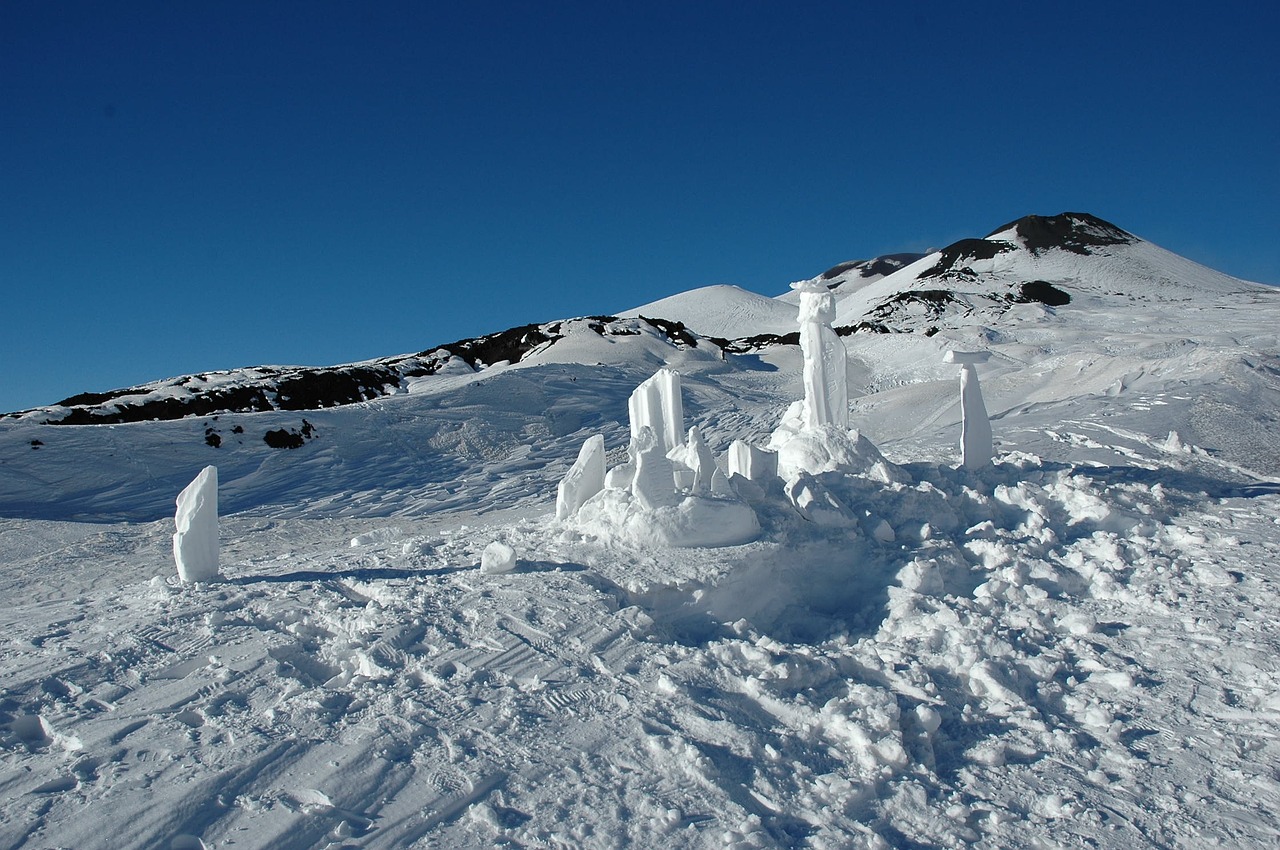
{"type": "Point", "coordinates": [976, 445]}
{"type": "Point", "coordinates": [693, 521]}
{"type": "Point", "coordinates": [670, 491]}
{"type": "Point", "coordinates": [195, 543]}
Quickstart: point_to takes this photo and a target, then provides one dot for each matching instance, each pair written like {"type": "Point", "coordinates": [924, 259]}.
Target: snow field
{"type": "Point", "coordinates": [1016, 661]}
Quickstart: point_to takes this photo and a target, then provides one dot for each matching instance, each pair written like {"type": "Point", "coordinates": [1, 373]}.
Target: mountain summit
{"type": "Point", "coordinates": [1077, 232]}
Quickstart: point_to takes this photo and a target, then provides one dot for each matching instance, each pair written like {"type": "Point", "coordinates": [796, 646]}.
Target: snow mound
{"type": "Point", "coordinates": [692, 522]}
{"type": "Point", "coordinates": [723, 311]}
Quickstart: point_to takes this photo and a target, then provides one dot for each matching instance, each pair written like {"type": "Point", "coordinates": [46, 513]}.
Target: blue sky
{"type": "Point", "coordinates": [194, 186]}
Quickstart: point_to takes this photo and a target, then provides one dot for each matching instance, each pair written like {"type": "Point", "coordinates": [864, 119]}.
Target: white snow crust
{"type": "Point", "coordinates": [1074, 646]}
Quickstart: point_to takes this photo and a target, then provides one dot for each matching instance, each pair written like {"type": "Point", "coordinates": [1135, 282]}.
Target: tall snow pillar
{"type": "Point", "coordinates": [976, 446]}
{"type": "Point", "coordinates": [195, 543]}
{"type": "Point", "coordinates": [657, 404]}
{"type": "Point", "coordinates": [826, 382]}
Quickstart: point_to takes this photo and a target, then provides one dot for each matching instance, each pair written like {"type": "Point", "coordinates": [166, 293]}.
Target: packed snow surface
{"type": "Point", "coordinates": [1075, 646]}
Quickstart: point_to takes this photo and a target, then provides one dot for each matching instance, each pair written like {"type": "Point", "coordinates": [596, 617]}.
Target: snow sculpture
{"type": "Point", "coordinates": [752, 463]}
{"type": "Point", "coordinates": [654, 483]}
{"type": "Point", "coordinates": [195, 543]}
{"type": "Point", "coordinates": [826, 383]}
{"type": "Point", "coordinates": [583, 480]}
{"type": "Point", "coordinates": [701, 461]}
{"type": "Point", "coordinates": [976, 447]}
{"type": "Point", "coordinates": [670, 491]}
{"type": "Point", "coordinates": [657, 404]}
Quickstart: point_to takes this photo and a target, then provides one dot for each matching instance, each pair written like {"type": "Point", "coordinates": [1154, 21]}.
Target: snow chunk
{"type": "Point", "coordinates": [498, 557]}
{"type": "Point", "coordinates": [751, 462]}
{"type": "Point", "coordinates": [830, 449]}
{"type": "Point", "coordinates": [656, 404]}
{"type": "Point", "coordinates": [583, 480]}
{"type": "Point", "coordinates": [195, 543]}
{"type": "Point", "coordinates": [654, 483]}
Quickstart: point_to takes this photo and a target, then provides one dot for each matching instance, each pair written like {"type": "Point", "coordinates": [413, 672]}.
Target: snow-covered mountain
{"type": "Point", "coordinates": [1073, 647]}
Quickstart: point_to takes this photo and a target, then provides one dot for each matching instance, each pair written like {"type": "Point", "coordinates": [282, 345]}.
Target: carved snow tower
{"type": "Point", "coordinates": [976, 446]}
{"type": "Point", "coordinates": [195, 540]}
{"type": "Point", "coordinates": [826, 383]}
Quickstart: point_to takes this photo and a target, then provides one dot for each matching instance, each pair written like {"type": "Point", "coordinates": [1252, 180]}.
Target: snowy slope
{"type": "Point", "coordinates": [728, 312]}
{"type": "Point", "coordinates": [1074, 648]}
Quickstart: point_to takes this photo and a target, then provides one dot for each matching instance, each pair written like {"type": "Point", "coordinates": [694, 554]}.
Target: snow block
{"type": "Point", "coordinates": [654, 483]}
{"type": "Point", "coordinates": [195, 542]}
{"type": "Point", "coordinates": [657, 404]}
{"type": "Point", "coordinates": [966, 358]}
{"type": "Point", "coordinates": [583, 480]}
{"type": "Point", "coordinates": [751, 462]}
{"type": "Point", "coordinates": [815, 502]}
{"type": "Point", "coordinates": [700, 459]}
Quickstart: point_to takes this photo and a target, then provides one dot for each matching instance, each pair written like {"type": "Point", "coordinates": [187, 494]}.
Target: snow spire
{"type": "Point", "coordinates": [195, 542]}
{"type": "Point", "coordinates": [826, 384]}
{"type": "Point", "coordinates": [976, 447]}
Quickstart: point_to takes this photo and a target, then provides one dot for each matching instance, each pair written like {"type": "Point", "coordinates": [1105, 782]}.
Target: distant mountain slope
{"type": "Point", "coordinates": [1035, 270]}
{"type": "Point", "coordinates": [723, 311]}
{"type": "Point", "coordinates": [1046, 260]}
{"type": "Point", "coordinates": [303, 388]}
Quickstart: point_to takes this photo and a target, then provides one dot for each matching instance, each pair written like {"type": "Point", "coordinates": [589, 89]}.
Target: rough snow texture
{"type": "Point", "coordinates": [826, 383]}
{"type": "Point", "coordinates": [656, 404]}
{"type": "Point", "coordinates": [583, 480]}
{"type": "Point", "coordinates": [195, 542]}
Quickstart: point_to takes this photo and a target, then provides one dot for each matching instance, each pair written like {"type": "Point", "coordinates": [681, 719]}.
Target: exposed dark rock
{"type": "Point", "coordinates": [35, 444]}
{"type": "Point", "coordinates": [934, 301]}
{"type": "Point", "coordinates": [237, 429]}
{"type": "Point", "coordinates": [282, 439]}
{"type": "Point", "coordinates": [676, 332]}
{"type": "Point", "coordinates": [212, 439]}
{"type": "Point", "coordinates": [865, 327]}
{"type": "Point", "coordinates": [1075, 232]}
{"type": "Point", "coordinates": [841, 268]}
{"type": "Point", "coordinates": [1041, 292]}
{"type": "Point", "coordinates": [749, 344]}
{"type": "Point", "coordinates": [956, 256]}
{"type": "Point", "coordinates": [509, 345]}
{"type": "Point", "coordinates": [879, 267]}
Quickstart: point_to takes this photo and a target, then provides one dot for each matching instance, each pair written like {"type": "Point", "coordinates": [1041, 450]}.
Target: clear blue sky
{"type": "Point", "coordinates": [195, 186]}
